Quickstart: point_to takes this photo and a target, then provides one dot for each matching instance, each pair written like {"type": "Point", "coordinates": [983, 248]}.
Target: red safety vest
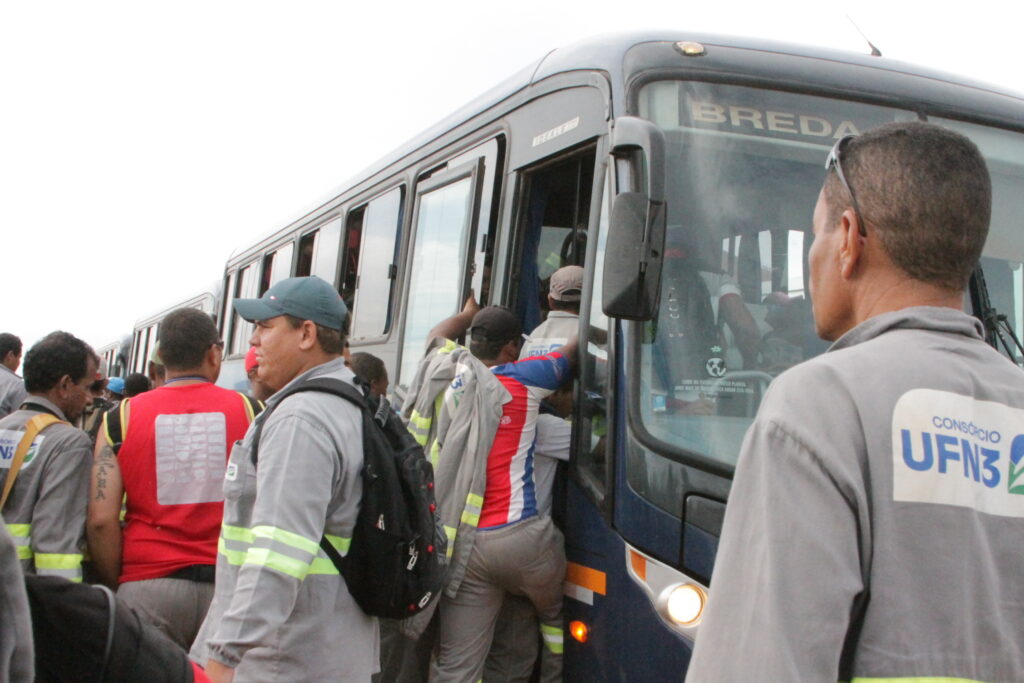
{"type": "Point", "coordinates": [172, 463]}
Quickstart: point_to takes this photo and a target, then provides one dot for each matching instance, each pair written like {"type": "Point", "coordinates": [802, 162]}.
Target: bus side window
{"type": "Point", "coordinates": [437, 279]}
{"type": "Point", "coordinates": [245, 288]}
{"type": "Point", "coordinates": [307, 243]}
{"type": "Point", "coordinates": [276, 266]}
{"type": "Point", "coordinates": [370, 268]}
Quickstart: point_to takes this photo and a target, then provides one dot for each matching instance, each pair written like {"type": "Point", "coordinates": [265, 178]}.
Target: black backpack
{"type": "Point", "coordinates": [84, 634]}
{"type": "Point", "coordinates": [397, 560]}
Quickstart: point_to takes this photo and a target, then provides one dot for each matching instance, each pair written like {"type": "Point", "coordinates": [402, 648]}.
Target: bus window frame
{"type": "Point", "coordinates": [401, 228]}
{"type": "Point", "coordinates": [474, 170]}
{"type": "Point", "coordinates": [600, 491]}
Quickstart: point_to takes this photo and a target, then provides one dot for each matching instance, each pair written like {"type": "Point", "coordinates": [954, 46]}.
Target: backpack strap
{"type": "Point", "coordinates": [327, 385]}
{"type": "Point", "coordinates": [32, 429]}
{"type": "Point", "coordinates": [253, 407]}
{"type": "Point", "coordinates": [115, 424]}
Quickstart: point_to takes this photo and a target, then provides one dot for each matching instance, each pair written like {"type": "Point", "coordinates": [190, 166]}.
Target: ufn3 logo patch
{"type": "Point", "coordinates": [950, 449]}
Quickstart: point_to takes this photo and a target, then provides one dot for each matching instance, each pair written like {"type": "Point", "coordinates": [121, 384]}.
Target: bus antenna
{"type": "Point", "coordinates": [875, 52]}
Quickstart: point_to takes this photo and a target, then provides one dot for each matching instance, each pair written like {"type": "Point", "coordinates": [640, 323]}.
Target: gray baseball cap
{"type": "Point", "coordinates": [306, 298]}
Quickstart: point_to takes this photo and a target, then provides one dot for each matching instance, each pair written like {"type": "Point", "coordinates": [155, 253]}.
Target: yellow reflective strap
{"type": "Point", "coordinates": [322, 565]}
{"type": "Point", "coordinates": [19, 530]}
{"type": "Point", "coordinates": [450, 532]}
{"type": "Point", "coordinates": [340, 544]}
{"type": "Point", "coordinates": [435, 453]}
{"type": "Point", "coordinates": [106, 430]}
{"type": "Point", "coordinates": [265, 557]}
{"type": "Point", "coordinates": [235, 557]}
{"type": "Point", "coordinates": [419, 421]}
{"type": "Point", "coordinates": [448, 347]}
{"type": "Point", "coordinates": [553, 638]}
{"type": "Point", "coordinates": [475, 500]}
{"type": "Point", "coordinates": [24, 552]}
{"type": "Point", "coordinates": [915, 679]}
{"type": "Point", "coordinates": [237, 533]}
{"type": "Point", "coordinates": [287, 538]}
{"type": "Point", "coordinates": [470, 518]}
{"type": "Point", "coordinates": [58, 561]}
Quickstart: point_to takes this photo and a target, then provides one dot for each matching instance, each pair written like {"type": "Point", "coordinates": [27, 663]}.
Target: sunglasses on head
{"type": "Point", "coordinates": [833, 161]}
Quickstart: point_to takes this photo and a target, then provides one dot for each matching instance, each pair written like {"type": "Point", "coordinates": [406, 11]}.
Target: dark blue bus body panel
{"type": "Point", "coordinates": [627, 640]}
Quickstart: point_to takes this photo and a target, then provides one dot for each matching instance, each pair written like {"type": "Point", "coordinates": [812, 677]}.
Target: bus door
{"type": "Point", "coordinates": [453, 220]}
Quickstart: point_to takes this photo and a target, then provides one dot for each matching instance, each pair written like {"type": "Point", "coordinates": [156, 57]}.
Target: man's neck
{"type": "Point", "coordinates": [192, 376]}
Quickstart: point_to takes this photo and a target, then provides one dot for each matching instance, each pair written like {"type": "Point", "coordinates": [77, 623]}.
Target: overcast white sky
{"type": "Point", "coordinates": [142, 142]}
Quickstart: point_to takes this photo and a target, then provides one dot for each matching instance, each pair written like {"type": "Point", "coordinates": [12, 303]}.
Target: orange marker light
{"type": "Point", "coordinates": [579, 631]}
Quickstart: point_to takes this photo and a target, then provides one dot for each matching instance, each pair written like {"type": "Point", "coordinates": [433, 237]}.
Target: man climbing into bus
{"type": "Point", "coordinates": [165, 450]}
{"type": "Point", "coordinates": [280, 610]}
{"type": "Point", "coordinates": [874, 524]}
{"type": "Point", "coordinates": [512, 548]}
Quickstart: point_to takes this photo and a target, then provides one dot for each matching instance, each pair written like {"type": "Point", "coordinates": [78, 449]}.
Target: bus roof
{"type": "Point", "coordinates": [754, 61]}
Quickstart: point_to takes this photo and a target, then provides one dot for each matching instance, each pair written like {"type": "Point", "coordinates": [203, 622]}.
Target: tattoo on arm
{"type": "Point", "coordinates": [105, 462]}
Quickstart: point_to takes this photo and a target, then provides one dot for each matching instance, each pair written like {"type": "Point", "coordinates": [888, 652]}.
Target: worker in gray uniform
{"type": "Point", "coordinates": [46, 503]}
{"type": "Point", "coordinates": [12, 387]}
{"type": "Point", "coordinates": [280, 610]}
{"type": "Point", "coordinates": [874, 523]}
{"type": "Point", "coordinates": [16, 651]}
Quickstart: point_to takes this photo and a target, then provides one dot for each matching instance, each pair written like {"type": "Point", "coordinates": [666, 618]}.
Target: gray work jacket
{"type": "Point", "coordinates": [17, 660]}
{"type": "Point", "coordinates": [281, 611]}
{"type": "Point", "coordinates": [12, 391]}
{"type": "Point", "coordinates": [46, 510]}
{"type": "Point", "coordinates": [875, 524]}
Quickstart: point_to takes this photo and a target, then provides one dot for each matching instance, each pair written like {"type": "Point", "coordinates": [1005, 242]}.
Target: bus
{"type": "Point", "coordinates": [679, 170]}
{"type": "Point", "coordinates": [146, 331]}
{"type": "Point", "coordinates": [114, 357]}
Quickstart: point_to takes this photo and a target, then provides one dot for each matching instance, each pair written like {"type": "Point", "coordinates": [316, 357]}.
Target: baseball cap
{"type": "Point", "coordinates": [250, 360]}
{"type": "Point", "coordinates": [306, 298]}
{"type": "Point", "coordinates": [115, 385]}
{"type": "Point", "coordinates": [495, 323]}
{"type": "Point", "coordinates": [566, 284]}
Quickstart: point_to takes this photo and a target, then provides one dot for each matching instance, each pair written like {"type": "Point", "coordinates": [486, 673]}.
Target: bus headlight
{"type": "Point", "coordinates": [682, 603]}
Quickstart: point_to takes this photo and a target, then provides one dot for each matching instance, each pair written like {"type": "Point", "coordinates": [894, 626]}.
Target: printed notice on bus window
{"type": "Point", "coordinates": [191, 454]}
{"type": "Point", "coordinates": [950, 449]}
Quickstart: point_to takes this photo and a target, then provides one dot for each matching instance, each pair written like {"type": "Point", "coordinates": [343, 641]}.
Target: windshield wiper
{"type": "Point", "coordinates": [997, 326]}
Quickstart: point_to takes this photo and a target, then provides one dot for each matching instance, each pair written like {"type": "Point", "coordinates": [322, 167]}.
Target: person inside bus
{"type": "Point", "coordinates": [371, 369]}
{"type": "Point", "coordinates": [688, 341]}
{"type": "Point", "coordinates": [563, 302]}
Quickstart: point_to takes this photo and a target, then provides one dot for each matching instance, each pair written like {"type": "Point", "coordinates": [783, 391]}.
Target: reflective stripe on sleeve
{"type": "Point", "coordinates": [450, 532]}
{"type": "Point", "coordinates": [553, 638]}
{"type": "Point", "coordinates": [915, 679]}
{"type": "Point", "coordinates": [471, 513]}
{"type": "Point", "coordinates": [286, 537]}
{"type": "Point", "coordinates": [22, 535]}
{"type": "Point", "coordinates": [265, 557]}
{"type": "Point", "coordinates": [66, 565]}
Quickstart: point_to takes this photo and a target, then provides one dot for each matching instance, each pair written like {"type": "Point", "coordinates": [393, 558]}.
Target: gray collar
{"type": "Point", "coordinates": [42, 401]}
{"type": "Point", "coordinates": [932, 318]}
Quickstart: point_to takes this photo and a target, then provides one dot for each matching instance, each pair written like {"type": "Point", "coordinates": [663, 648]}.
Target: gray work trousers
{"type": "Point", "coordinates": [516, 643]}
{"type": "Point", "coordinates": [175, 606]}
{"type": "Point", "coordinates": [526, 558]}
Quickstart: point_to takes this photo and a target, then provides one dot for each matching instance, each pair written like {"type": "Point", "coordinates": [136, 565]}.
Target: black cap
{"type": "Point", "coordinates": [495, 324]}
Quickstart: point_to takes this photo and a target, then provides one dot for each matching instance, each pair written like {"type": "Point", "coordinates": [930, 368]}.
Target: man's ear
{"type": "Point", "coordinates": [851, 244]}
{"type": "Point", "coordinates": [308, 340]}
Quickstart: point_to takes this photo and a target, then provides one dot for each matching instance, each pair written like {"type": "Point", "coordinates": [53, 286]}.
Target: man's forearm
{"type": "Point", "coordinates": [105, 550]}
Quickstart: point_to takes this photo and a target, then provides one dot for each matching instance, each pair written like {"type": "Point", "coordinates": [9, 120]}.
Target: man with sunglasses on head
{"type": "Point", "coordinates": [166, 450]}
{"type": "Point", "coordinates": [873, 529]}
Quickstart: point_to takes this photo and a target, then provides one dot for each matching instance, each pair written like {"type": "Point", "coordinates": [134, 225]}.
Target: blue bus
{"type": "Point", "coordinates": [681, 171]}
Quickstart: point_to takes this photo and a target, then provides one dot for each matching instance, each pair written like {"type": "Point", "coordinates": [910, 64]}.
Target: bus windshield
{"type": "Point", "coordinates": [744, 170]}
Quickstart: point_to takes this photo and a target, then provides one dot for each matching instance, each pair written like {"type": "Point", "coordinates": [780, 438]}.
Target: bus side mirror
{"type": "Point", "coordinates": [636, 231]}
